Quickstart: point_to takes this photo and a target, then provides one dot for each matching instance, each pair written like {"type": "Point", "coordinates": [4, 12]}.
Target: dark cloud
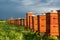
{"type": "Point", "coordinates": [18, 8]}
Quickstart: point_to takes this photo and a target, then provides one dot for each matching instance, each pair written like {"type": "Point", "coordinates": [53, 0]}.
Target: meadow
{"type": "Point", "coordinates": [13, 32]}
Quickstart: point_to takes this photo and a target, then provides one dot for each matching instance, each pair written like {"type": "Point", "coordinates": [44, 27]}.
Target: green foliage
{"type": "Point", "coordinates": [12, 32]}
{"type": "Point", "coordinates": [54, 38]}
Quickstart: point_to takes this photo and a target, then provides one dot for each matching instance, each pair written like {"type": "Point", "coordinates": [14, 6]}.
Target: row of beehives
{"type": "Point", "coordinates": [48, 24]}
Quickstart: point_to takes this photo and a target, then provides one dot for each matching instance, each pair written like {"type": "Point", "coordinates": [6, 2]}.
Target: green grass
{"type": "Point", "coordinates": [12, 32]}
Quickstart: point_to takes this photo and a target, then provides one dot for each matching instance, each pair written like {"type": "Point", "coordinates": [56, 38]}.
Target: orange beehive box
{"type": "Point", "coordinates": [24, 22]}
{"type": "Point", "coordinates": [59, 20]}
{"type": "Point", "coordinates": [30, 22]}
{"type": "Point", "coordinates": [27, 18]}
{"type": "Point", "coordinates": [52, 23]}
{"type": "Point", "coordinates": [15, 22]}
{"type": "Point", "coordinates": [18, 22]}
{"type": "Point", "coordinates": [8, 21]}
{"type": "Point", "coordinates": [21, 22]}
{"type": "Point", "coordinates": [12, 21]}
{"type": "Point", "coordinates": [42, 23]}
{"type": "Point", "coordinates": [35, 23]}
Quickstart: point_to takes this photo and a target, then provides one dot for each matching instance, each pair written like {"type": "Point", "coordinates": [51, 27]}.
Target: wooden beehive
{"type": "Point", "coordinates": [8, 20]}
{"type": "Point", "coordinates": [59, 20]}
{"type": "Point", "coordinates": [42, 23]}
{"type": "Point", "coordinates": [21, 22]}
{"type": "Point", "coordinates": [24, 22]}
{"type": "Point", "coordinates": [35, 23]}
{"type": "Point", "coordinates": [52, 23]}
{"type": "Point", "coordinates": [30, 22]}
{"type": "Point", "coordinates": [12, 21]}
{"type": "Point", "coordinates": [27, 18]}
{"type": "Point", "coordinates": [17, 21]}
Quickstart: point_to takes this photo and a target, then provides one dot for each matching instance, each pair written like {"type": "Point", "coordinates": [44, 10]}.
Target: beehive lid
{"type": "Point", "coordinates": [53, 11]}
{"type": "Point", "coordinates": [11, 18]}
{"type": "Point", "coordinates": [19, 18]}
{"type": "Point", "coordinates": [42, 14]}
{"type": "Point", "coordinates": [33, 15]}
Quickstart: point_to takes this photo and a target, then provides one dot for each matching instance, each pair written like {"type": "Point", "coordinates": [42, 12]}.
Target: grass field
{"type": "Point", "coordinates": [12, 32]}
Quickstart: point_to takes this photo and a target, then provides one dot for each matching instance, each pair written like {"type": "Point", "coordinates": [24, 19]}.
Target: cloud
{"type": "Point", "coordinates": [35, 2]}
{"type": "Point", "coordinates": [27, 2]}
{"type": "Point", "coordinates": [34, 5]}
{"type": "Point", "coordinates": [20, 7]}
{"type": "Point", "coordinates": [48, 3]}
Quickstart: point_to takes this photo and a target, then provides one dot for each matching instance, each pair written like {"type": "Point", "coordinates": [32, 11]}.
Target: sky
{"type": "Point", "coordinates": [19, 8]}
